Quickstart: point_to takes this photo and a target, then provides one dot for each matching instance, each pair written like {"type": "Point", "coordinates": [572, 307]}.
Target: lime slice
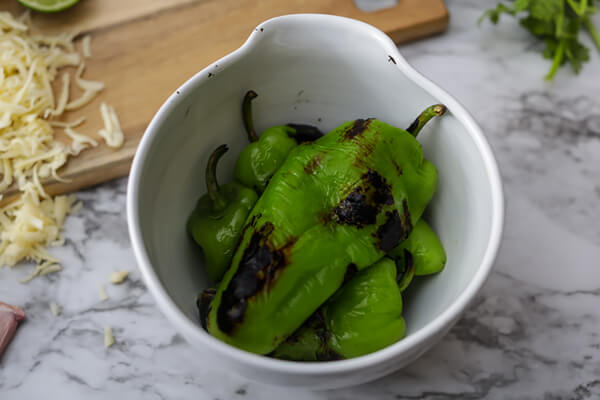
{"type": "Point", "coordinates": [48, 5]}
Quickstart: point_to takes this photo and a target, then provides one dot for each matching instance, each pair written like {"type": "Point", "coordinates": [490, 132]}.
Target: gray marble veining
{"type": "Point", "coordinates": [533, 333]}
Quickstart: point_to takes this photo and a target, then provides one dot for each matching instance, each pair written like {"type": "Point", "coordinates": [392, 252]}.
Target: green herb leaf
{"type": "Point", "coordinates": [537, 27]}
{"type": "Point", "coordinates": [577, 54]}
{"type": "Point", "coordinates": [546, 10]}
{"type": "Point", "coordinates": [494, 14]}
{"type": "Point", "coordinates": [551, 45]}
{"type": "Point", "coordinates": [556, 22]}
{"type": "Point", "coordinates": [521, 5]}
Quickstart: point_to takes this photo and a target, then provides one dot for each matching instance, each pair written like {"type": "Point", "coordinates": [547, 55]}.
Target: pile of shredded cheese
{"type": "Point", "coordinates": [29, 152]}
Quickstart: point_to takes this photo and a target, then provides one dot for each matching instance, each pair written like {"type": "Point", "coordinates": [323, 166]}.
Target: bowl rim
{"type": "Point", "coordinates": [419, 338]}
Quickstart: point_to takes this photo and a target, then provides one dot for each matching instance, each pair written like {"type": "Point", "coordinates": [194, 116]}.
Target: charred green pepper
{"type": "Point", "coordinates": [264, 155]}
{"type": "Point", "coordinates": [218, 218]}
{"type": "Point", "coordinates": [368, 305]}
{"type": "Point", "coordinates": [365, 315]}
{"type": "Point", "coordinates": [334, 206]}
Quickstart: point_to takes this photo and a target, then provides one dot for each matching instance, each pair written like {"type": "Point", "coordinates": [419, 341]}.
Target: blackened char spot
{"type": "Point", "coordinates": [407, 265]}
{"type": "Point", "coordinates": [390, 233]}
{"type": "Point", "coordinates": [256, 270]}
{"type": "Point", "coordinates": [395, 229]}
{"type": "Point", "coordinates": [203, 303]}
{"type": "Point", "coordinates": [362, 205]}
{"type": "Point", "coordinates": [351, 271]}
{"type": "Point", "coordinates": [354, 210]}
{"type": "Point", "coordinates": [305, 133]}
{"type": "Point", "coordinates": [383, 191]}
{"type": "Point", "coordinates": [358, 127]}
{"type": "Point", "coordinates": [390, 58]}
{"type": "Point", "coordinates": [317, 323]}
{"type": "Point", "coordinates": [252, 222]}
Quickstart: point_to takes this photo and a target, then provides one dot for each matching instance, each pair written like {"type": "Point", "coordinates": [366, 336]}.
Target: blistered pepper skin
{"type": "Point", "coordinates": [336, 205]}
{"type": "Point", "coordinates": [364, 316]}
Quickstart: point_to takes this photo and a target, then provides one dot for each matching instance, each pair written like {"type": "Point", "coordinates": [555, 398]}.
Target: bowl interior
{"type": "Point", "coordinates": [306, 76]}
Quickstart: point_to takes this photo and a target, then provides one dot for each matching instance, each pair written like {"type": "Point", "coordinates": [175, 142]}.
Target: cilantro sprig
{"type": "Point", "coordinates": [557, 23]}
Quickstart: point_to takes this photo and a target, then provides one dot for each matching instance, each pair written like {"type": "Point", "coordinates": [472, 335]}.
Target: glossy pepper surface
{"type": "Point", "coordinates": [266, 153]}
{"type": "Point", "coordinates": [425, 249]}
{"type": "Point", "coordinates": [365, 315]}
{"type": "Point", "coordinates": [334, 206]}
{"type": "Point", "coordinates": [218, 218]}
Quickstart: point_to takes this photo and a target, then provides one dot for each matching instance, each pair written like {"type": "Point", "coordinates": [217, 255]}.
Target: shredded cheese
{"type": "Point", "coordinates": [73, 124]}
{"type": "Point", "coordinates": [86, 44]}
{"type": "Point", "coordinates": [118, 277]}
{"type": "Point", "coordinates": [55, 309]}
{"type": "Point", "coordinates": [85, 98]}
{"type": "Point", "coordinates": [80, 141]}
{"type": "Point", "coordinates": [29, 152]}
{"type": "Point", "coordinates": [63, 97]}
{"type": "Point", "coordinates": [109, 339]}
{"type": "Point", "coordinates": [111, 133]}
{"type": "Point", "coordinates": [83, 84]}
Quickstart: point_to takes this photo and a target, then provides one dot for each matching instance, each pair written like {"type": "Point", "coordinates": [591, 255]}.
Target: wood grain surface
{"type": "Point", "coordinates": [144, 49]}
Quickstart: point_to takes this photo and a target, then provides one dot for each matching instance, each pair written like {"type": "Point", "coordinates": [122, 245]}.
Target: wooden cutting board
{"type": "Point", "coordinates": [144, 49]}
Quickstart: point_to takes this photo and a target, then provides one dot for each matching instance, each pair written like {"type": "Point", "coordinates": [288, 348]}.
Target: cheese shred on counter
{"type": "Point", "coordinates": [29, 152]}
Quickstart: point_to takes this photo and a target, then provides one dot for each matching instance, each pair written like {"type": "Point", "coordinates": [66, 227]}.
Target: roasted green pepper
{"type": "Point", "coordinates": [264, 155]}
{"type": "Point", "coordinates": [365, 315]}
{"type": "Point", "coordinates": [336, 205]}
{"type": "Point", "coordinates": [367, 305]}
{"type": "Point", "coordinates": [218, 218]}
{"type": "Point", "coordinates": [425, 249]}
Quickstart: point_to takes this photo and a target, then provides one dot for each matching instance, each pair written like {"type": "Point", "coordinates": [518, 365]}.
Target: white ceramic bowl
{"type": "Point", "coordinates": [320, 70]}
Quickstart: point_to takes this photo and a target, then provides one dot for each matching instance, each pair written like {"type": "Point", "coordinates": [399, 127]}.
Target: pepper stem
{"type": "Point", "coordinates": [212, 186]}
{"type": "Point", "coordinates": [247, 115]}
{"type": "Point", "coordinates": [436, 110]}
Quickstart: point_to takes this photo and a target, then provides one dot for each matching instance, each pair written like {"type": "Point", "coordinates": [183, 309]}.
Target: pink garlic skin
{"type": "Point", "coordinates": [10, 316]}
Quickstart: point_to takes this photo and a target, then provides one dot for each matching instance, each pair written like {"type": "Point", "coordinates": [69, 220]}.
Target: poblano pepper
{"type": "Point", "coordinates": [218, 218]}
{"type": "Point", "coordinates": [365, 315]}
{"type": "Point", "coordinates": [264, 155]}
{"type": "Point", "coordinates": [336, 205]}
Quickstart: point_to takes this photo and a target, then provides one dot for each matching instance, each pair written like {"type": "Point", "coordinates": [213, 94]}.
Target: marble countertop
{"type": "Point", "coordinates": [533, 332]}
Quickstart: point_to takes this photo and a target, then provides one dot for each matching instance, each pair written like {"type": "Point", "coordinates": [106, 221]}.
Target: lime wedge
{"type": "Point", "coordinates": [48, 5]}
